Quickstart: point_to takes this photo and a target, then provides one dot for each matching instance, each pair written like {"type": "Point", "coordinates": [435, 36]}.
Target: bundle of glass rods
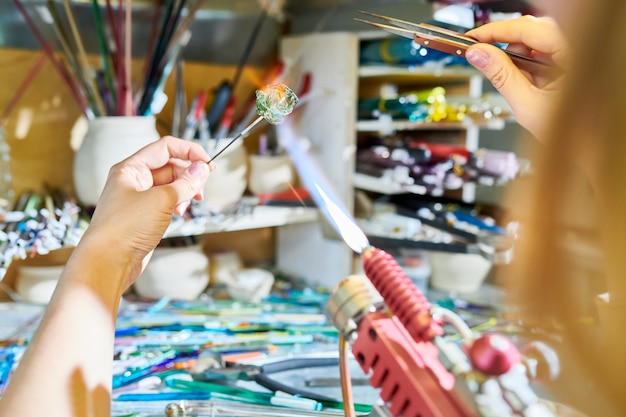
{"type": "Point", "coordinates": [107, 89]}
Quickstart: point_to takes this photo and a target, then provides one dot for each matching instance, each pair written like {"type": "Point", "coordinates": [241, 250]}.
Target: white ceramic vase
{"type": "Point", "coordinates": [108, 141]}
{"type": "Point", "coordinates": [458, 272]}
{"type": "Point", "coordinates": [181, 273]}
{"type": "Point", "coordinates": [36, 284]}
{"type": "Point", "coordinates": [227, 183]}
{"type": "Point", "coordinates": [270, 174]}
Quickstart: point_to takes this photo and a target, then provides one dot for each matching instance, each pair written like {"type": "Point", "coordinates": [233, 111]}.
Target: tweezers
{"type": "Point", "coordinates": [450, 42]}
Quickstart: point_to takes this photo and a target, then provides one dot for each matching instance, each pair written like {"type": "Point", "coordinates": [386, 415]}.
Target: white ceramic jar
{"type": "Point", "coordinates": [270, 174]}
{"type": "Point", "coordinates": [108, 141]}
{"type": "Point", "coordinates": [227, 183]}
{"type": "Point", "coordinates": [458, 272]}
{"type": "Point", "coordinates": [180, 273]}
{"type": "Point", "coordinates": [36, 284]}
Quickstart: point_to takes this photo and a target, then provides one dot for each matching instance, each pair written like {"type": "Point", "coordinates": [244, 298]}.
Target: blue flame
{"type": "Point", "coordinates": [321, 192]}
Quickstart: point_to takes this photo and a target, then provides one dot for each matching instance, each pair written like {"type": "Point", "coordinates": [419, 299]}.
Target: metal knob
{"type": "Point", "coordinates": [494, 354]}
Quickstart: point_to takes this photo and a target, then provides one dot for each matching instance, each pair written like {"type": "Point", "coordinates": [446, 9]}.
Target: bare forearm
{"type": "Point", "coordinates": [67, 367]}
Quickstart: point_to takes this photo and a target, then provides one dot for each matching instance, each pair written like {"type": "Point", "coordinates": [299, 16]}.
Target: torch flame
{"type": "Point", "coordinates": [321, 191]}
{"type": "Point", "coordinates": [345, 225]}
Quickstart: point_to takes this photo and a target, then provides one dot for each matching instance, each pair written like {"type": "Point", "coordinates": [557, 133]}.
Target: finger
{"type": "Point", "coordinates": [169, 172]}
{"type": "Point", "coordinates": [181, 208]}
{"type": "Point", "coordinates": [523, 50]}
{"type": "Point", "coordinates": [159, 153]}
{"type": "Point", "coordinates": [539, 34]}
{"type": "Point", "coordinates": [174, 169]}
{"type": "Point", "coordinates": [190, 183]}
{"type": "Point", "coordinates": [498, 68]}
{"type": "Point", "coordinates": [519, 49]}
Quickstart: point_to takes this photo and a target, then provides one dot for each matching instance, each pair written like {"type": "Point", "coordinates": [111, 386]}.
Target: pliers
{"type": "Point", "coordinates": [261, 374]}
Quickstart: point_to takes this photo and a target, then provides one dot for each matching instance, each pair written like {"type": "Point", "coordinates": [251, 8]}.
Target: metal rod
{"type": "Point", "coordinates": [246, 53]}
{"type": "Point", "coordinates": [240, 135]}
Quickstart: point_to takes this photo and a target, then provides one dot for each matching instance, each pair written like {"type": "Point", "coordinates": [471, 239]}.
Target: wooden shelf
{"type": "Point", "coordinates": [427, 74]}
{"type": "Point", "coordinates": [258, 217]}
{"type": "Point", "coordinates": [385, 186]}
{"type": "Point", "coordinates": [386, 125]}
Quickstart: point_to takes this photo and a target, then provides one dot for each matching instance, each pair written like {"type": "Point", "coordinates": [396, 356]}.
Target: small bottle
{"type": "Point", "coordinates": [6, 179]}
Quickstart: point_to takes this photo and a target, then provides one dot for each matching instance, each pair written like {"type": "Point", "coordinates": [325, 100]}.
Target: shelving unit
{"type": "Point", "coordinates": [255, 218]}
{"type": "Point", "coordinates": [463, 80]}
{"type": "Point", "coordinates": [385, 125]}
{"type": "Point", "coordinates": [329, 121]}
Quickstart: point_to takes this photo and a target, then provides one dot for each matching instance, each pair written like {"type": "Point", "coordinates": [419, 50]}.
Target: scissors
{"type": "Point", "coordinates": [451, 42]}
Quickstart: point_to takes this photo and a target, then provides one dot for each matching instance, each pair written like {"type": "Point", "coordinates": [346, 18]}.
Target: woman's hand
{"type": "Point", "coordinates": [77, 330]}
{"type": "Point", "coordinates": [530, 96]}
{"type": "Point", "coordinates": [140, 196]}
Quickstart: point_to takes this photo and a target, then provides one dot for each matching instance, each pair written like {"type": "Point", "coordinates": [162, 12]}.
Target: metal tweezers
{"type": "Point", "coordinates": [450, 42]}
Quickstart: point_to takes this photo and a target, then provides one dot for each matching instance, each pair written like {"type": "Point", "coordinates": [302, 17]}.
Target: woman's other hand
{"type": "Point", "coordinates": [530, 96]}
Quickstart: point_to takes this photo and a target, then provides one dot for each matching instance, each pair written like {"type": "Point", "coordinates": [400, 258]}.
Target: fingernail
{"type": "Point", "coordinates": [181, 208]}
{"type": "Point", "coordinates": [198, 169]}
{"type": "Point", "coordinates": [477, 58]}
